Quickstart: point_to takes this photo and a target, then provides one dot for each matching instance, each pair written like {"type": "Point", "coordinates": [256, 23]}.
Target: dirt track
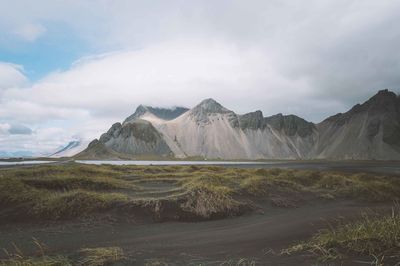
{"type": "Point", "coordinates": [255, 236]}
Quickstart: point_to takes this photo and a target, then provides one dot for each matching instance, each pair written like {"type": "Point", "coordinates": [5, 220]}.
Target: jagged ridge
{"type": "Point", "coordinates": [163, 113]}
{"type": "Point", "coordinates": [367, 131]}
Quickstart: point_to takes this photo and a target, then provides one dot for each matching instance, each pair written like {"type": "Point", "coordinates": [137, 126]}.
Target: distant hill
{"type": "Point", "coordinates": [72, 148]}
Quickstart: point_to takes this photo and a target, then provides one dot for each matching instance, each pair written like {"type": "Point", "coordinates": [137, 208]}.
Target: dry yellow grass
{"type": "Point", "coordinates": [75, 190]}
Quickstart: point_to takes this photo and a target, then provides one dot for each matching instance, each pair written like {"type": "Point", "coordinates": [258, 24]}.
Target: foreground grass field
{"type": "Point", "coordinates": [73, 190]}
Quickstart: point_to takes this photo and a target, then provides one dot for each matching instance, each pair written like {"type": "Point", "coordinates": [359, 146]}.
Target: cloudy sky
{"type": "Point", "coordinates": [69, 69]}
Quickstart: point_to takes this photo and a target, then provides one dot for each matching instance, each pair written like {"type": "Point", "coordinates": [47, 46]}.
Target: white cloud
{"type": "Point", "coordinates": [30, 31]}
{"type": "Point", "coordinates": [101, 90]}
{"type": "Point", "coordinates": [11, 75]}
{"type": "Point", "coordinates": [171, 73]}
{"type": "Point", "coordinates": [41, 141]}
{"type": "Point", "coordinates": [4, 127]}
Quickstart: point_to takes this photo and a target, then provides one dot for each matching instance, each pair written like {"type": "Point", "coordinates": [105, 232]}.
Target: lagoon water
{"type": "Point", "coordinates": [133, 162]}
{"type": "Point", "coordinates": [6, 163]}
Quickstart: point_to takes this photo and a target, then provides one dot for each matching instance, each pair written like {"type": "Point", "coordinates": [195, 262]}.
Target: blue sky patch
{"type": "Point", "coordinates": [57, 49]}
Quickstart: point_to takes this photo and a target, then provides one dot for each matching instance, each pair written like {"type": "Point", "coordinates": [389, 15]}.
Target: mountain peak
{"type": "Point", "coordinates": [140, 110]}
{"type": "Point", "coordinates": [383, 101]}
{"type": "Point", "coordinates": [163, 113]}
{"type": "Point", "coordinates": [383, 97]}
{"type": "Point", "coordinates": [142, 107]}
{"type": "Point", "coordinates": [210, 106]}
{"type": "Point", "coordinates": [385, 93]}
{"type": "Point", "coordinates": [209, 100]}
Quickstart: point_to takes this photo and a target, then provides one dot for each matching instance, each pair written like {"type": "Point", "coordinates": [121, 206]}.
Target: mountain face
{"type": "Point", "coordinates": [209, 130]}
{"type": "Point", "coordinates": [162, 113]}
{"type": "Point", "coordinates": [134, 138]}
{"type": "Point", "coordinates": [291, 125]}
{"type": "Point", "coordinates": [367, 131]}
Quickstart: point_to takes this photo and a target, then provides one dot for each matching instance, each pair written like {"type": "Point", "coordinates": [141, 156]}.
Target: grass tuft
{"type": "Point", "coordinates": [210, 203]}
{"type": "Point", "coordinates": [85, 257]}
{"type": "Point", "coordinates": [17, 258]}
{"type": "Point", "coordinates": [239, 262]}
{"type": "Point", "coordinates": [375, 236]}
{"type": "Point", "coordinates": [42, 261]}
{"type": "Point", "coordinates": [101, 256]}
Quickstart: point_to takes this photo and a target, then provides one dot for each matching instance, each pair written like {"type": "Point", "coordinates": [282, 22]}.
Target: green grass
{"type": "Point", "coordinates": [51, 192]}
{"type": "Point", "coordinates": [374, 236]}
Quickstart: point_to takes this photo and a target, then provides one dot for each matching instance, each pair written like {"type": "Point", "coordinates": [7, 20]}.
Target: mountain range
{"type": "Point", "coordinates": [73, 147]}
{"type": "Point", "coordinates": [368, 131]}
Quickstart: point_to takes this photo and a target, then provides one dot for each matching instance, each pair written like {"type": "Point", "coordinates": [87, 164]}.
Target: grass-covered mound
{"type": "Point", "coordinates": [58, 192]}
{"type": "Point", "coordinates": [50, 192]}
{"type": "Point", "coordinates": [375, 237]}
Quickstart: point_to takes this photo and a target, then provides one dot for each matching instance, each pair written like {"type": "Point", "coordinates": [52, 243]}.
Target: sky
{"type": "Point", "coordinates": [69, 69]}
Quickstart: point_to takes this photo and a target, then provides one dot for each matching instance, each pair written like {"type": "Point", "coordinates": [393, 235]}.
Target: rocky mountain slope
{"type": "Point", "coordinates": [134, 138]}
{"type": "Point", "coordinates": [209, 130]}
{"type": "Point", "coordinates": [367, 131]}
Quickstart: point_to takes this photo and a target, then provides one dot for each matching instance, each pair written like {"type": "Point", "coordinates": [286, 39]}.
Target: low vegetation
{"type": "Point", "coordinates": [192, 193]}
{"type": "Point", "coordinates": [239, 262]}
{"type": "Point", "coordinates": [101, 256]}
{"type": "Point", "coordinates": [174, 192]}
{"type": "Point", "coordinates": [374, 237]}
{"type": "Point", "coordinates": [49, 194]}
{"type": "Point", "coordinates": [40, 261]}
